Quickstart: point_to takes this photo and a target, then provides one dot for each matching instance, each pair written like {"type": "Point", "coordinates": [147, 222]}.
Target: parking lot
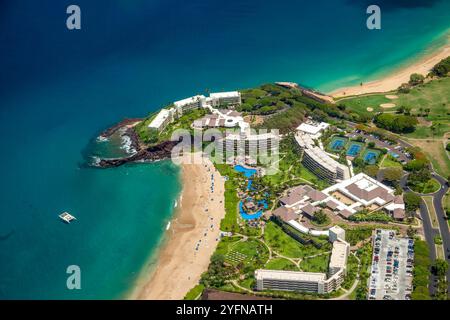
{"type": "Point", "coordinates": [392, 267]}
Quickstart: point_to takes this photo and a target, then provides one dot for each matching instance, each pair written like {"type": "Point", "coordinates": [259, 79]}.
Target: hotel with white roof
{"type": "Point", "coordinates": [313, 282]}
{"type": "Point", "coordinates": [314, 157]}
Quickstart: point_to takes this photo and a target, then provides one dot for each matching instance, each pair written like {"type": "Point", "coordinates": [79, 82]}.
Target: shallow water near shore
{"type": "Point", "coordinates": [60, 89]}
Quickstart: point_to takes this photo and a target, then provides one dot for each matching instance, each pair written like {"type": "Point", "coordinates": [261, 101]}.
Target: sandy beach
{"type": "Point", "coordinates": [398, 77]}
{"type": "Point", "coordinates": [195, 224]}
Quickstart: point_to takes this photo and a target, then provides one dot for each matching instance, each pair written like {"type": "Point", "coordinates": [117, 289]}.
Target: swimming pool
{"type": "Point", "coordinates": [337, 143]}
{"type": "Point", "coordinates": [371, 156]}
{"type": "Point", "coordinates": [256, 215]}
{"type": "Point", "coordinates": [396, 156]}
{"type": "Point", "coordinates": [354, 149]}
{"type": "Point", "coordinates": [248, 172]}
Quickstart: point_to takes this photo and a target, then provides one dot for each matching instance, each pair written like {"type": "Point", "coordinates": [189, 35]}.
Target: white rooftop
{"type": "Point", "coordinates": [262, 274]}
{"type": "Point", "coordinates": [338, 257]}
{"type": "Point", "coordinates": [313, 128]}
{"type": "Point", "coordinates": [229, 94]}
{"type": "Point", "coordinates": [189, 100]}
{"type": "Point", "coordinates": [159, 119]}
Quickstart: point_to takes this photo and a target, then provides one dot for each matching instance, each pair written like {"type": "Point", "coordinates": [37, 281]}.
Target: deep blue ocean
{"type": "Point", "coordinates": [60, 88]}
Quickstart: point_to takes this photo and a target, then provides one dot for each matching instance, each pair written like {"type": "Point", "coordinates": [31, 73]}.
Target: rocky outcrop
{"type": "Point", "coordinates": [125, 122]}
{"type": "Point", "coordinates": [154, 153]}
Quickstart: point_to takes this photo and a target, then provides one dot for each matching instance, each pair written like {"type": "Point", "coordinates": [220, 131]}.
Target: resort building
{"type": "Point", "coordinates": [336, 233]}
{"type": "Point", "coordinates": [248, 146]}
{"type": "Point", "coordinates": [222, 118]}
{"type": "Point", "coordinates": [312, 128]}
{"type": "Point", "coordinates": [220, 99]}
{"type": "Point", "coordinates": [318, 161]}
{"type": "Point", "coordinates": [363, 192]}
{"type": "Point", "coordinates": [397, 208]}
{"type": "Point", "coordinates": [163, 118]}
{"type": "Point", "coordinates": [312, 282]}
{"type": "Point", "coordinates": [190, 103]}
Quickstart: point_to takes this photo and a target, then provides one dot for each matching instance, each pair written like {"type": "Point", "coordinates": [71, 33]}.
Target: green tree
{"type": "Point", "coordinates": [371, 170]}
{"type": "Point", "coordinates": [321, 217]}
{"type": "Point", "coordinates": [416, 79]}
{"type": "Point", "coordinates": [392, 174]}
{"type": "Point", "coordinates": [440, 267]}
{"type": "Point", "coordinates": [442, 69]}
{"type": "Point", "coordinates": [412, 201]}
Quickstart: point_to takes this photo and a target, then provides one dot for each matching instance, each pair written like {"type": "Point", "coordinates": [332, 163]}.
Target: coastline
{"type": "Point", "coordinates": [177, 265]}
{"type": "Point", "coordinates": [399, 76]}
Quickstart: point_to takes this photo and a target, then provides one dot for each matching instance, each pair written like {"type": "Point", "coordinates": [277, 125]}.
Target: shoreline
{"type": "Point", "coordinates": [422, 65]}
{"type": "Point", "coordinates": [177, 265]}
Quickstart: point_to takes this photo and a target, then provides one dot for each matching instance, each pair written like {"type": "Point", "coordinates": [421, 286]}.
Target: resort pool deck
{"type": "Point", "coordinates": [354, 149]}
{"type": "Point", "coordinates": [371, 156]}
{"type": "Point", "coordinates": [248, 173]}
{"type": "Point", "coordinates": [256, 215]}
{"type": "Point", "coordinates": [337, 144]}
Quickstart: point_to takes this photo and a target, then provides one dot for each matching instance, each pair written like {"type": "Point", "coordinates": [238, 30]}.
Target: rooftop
{"type": "Point", "coordinates": [289, 275]}
{"type": "Point", "coordinates": [313, 128]}
{"type": "Point", "coordinates": [189, 100]}
{"type": "Point", "coordinates": [285, 214]}
{"type": "Point", "coordinates": [159, 119]}
{"type": "Point", "coordinates": [229, 94]}
{"type": "Point", "coordinates": [338, 257]}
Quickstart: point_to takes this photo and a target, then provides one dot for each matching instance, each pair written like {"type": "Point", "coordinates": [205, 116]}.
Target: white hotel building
{"type": "Point", "coordinates": [314, 157]}
{"type": "Point", "coordinates": [312, 282]}
{"type": "Point", "coordinates": [166, 116]}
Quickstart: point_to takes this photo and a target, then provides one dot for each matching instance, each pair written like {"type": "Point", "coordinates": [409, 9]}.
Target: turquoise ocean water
{"type": "Point", "coordinates": [59, 89]}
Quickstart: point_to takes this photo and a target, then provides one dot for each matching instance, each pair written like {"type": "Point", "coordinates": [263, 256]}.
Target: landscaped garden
{"type": "Point", "coordinates": [285, 245]}
{"type": "Point", "coordinates": [281, 264]}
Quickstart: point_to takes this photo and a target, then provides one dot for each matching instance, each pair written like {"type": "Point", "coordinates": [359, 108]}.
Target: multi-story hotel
{"type": "Point", "coordinates": [164, 117]}
{"type": "Point", "coordinates": [194, 102]}
{"type": "Point", "coordinates": [312, 282]}
{"type": "Point", "coordinates": [318, 161]}
{"type": "Point", "coordinates": [220, 99]}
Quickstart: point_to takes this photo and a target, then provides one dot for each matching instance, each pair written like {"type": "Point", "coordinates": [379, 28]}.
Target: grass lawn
{"type": "Point", "coordinates": [440, 251]}
{"type": "Point", "coordinates": [434, 149]}
{"type": "Point", "coordinates": [352, 270]}
{"type": "Point", "coordinates": [247, 252]}
{"type": "Point", "coordinates": [316, 264]}
{"type": "Point", "coordinates": [446, 204]}
{"type": "Point", "coordinates": [388, 162]}
{"type": "Point", "coordinates": [430, 186]}
{"type": "Point", "coordinates": [422, 132]}
{"type": "Point", "coordinates": [287, 246]}
{"type": "Point", "coordinates": [229, 222]}
{"type": "Point", "coordinates": [248, 283]}
{"type": "Point", "coordinates": [434, 95]}
{"type": "Point", "coordinates": [195, 292]}
{"type": "Point", "coordinates": [280, 264]}
{"type": "Point", "coordinates": [429, 202]}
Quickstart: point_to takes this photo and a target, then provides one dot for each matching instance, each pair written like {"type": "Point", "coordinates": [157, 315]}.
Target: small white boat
{"type": "Point", "coordinates": [67, 217]}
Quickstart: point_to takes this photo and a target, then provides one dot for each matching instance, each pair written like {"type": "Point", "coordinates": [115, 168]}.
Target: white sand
{"type": "Point", "coordinates": [397, 78]}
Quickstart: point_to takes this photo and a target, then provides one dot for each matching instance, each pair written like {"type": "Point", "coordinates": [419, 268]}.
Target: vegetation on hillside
{"type": "Point", "coordinates": [422, 266]}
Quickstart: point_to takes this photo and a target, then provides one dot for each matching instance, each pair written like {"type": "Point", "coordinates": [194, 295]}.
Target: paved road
{"type": "Point", "coordinates": [443, 223]}
{"type": "Point", "coordinates": [429, 231]}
